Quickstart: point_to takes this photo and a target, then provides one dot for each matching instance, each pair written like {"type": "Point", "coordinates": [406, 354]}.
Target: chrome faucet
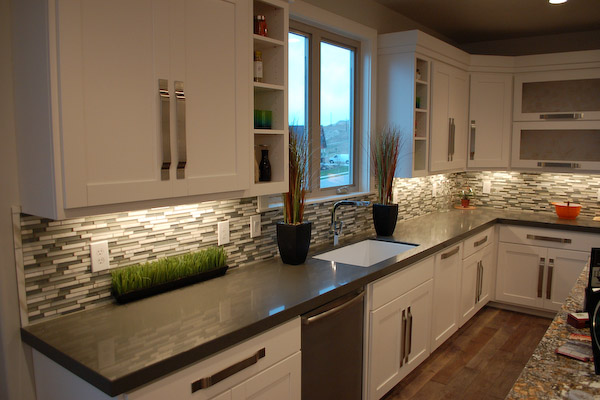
{"type": "Point", "coordinates": [336, 226]}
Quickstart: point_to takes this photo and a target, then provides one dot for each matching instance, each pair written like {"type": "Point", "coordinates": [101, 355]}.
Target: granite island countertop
{"type": "Point", "coordinates": [548, 375]}
{"type": "Point", "coordinates": [120, 347]}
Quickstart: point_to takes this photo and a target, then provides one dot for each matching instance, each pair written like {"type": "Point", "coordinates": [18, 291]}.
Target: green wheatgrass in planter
{"type": "Point", "coordinates": [141, 276]}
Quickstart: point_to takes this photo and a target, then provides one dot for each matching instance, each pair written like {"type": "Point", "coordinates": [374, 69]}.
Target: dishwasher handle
{"type": "Point", "coordinates": [309, 320]}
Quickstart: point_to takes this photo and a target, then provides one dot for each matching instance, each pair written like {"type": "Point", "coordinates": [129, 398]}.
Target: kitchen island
{"type": "Point", "coordinates": [118, 348]}
{"type": "Point", "coordinates": [550, 376]}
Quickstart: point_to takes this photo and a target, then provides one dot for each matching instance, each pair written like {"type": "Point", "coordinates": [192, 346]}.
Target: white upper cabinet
{"type": "Point", "coordinates": [557, 95]}
{"type": "Point", "coordinates": [490, 120]}
{"type": "Point", "coordinates": [147, 103]}
{"type": "Point", "coordinates": [449, 113]}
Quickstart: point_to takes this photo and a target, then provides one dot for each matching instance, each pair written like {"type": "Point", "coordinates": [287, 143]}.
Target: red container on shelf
{"type": "Point", "coordinates": [260, 25]}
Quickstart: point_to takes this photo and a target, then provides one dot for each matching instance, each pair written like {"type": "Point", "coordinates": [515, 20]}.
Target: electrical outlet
{"type": "Point", "coordinates": [255, 226]}
{"type": "Point", "coordinates": [434, 191]}
{"type": "Point", "coordinates": [223, 233]}
{"type": "Point", "coordinates": [487, 187]}
{"type": "Point", "coordinates": [99, 255]}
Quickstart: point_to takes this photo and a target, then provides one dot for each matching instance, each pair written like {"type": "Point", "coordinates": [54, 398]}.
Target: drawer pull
{"type": "Point", "coordinates": [549, 283]}
{"type": "Point", "coordinates": [548, 239]}
{"type": "Point", "coordinates": [562, 116]}
{"type": "Point", "coordinates": [450, 253]}
{"type": "Point", "coordinates": [558, 164]}
{"type": "Point", "coordinates": [480, 242]}
{"type": "Point", "coordinates": [181, 138]}
{"type": "Point", "coordinates": [541, 277]}
{"type": "Point", "coordinates": [227, 372]}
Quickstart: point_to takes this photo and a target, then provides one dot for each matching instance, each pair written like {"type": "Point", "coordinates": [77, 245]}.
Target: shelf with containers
{"type": "Point", "coordinates": [270, 129]}
{"type": "Point", "coordinates": [421, 117]}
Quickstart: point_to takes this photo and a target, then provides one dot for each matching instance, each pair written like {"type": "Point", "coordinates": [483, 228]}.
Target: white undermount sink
{"type": "Point", "coordinates": [366, 253]}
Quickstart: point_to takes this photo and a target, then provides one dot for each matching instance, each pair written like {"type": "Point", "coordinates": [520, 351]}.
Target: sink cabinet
{"type": "Point", "coordinates": [399, 325]}
{"type": "Point", "coordinates": [136, 101]}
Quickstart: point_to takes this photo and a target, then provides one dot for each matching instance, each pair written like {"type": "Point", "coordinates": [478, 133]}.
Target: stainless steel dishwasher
{"type": "Point", "coordinates": [332, 349]}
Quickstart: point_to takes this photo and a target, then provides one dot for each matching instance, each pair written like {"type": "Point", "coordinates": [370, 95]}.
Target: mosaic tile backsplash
{"type": "Point", "coordinates": [56, 262]}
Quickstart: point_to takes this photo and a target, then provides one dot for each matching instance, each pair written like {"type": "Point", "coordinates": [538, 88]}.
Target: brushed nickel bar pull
{"type": "Point", "coordinates": [541, 276]}
{"type": "Point", "coordinates": [449, 139]}
{"type": "Point", "coordinates": [558, 164]}
{"type": "Point", "coordinates": [181, 138]}
{"type": "Point", "coordinates": [549, 283]}
{"type": "Point", "coordinates": [548, 239]}
{"type": "Point", "coordinates": [480, 279]}
{"type": "Point", "coordinates": [478, 286]}
{"type": "Point", "coordinates": [165, 127]}
{"type": "Point", "coordinates": [315, 318]}
{"type": "Point", "coordinates": [227, 372]}
{"type": "Point", "coordinates": [473, 133]}
{"type": "Point", "coordinates": [409, 329]}
{"type": "Point", "coordinates": [403, 345]}
{"type": "Point", "coordinates": [450, 253]}
{"type": "Point", "coordinates": [453, 140]}
{"type": "Point", "coordinates": [562, 116]}
{"type": "Point", "coordinates": [480, 242]}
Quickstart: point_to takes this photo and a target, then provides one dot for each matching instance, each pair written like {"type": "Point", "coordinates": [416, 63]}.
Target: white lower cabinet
{"type": "Point", "coordinates": [476, 282]}
{"type": "Point", "coordinates": [446, 294]}
{"type": "Point", "coordinates": [538, 267]}
{"type": "Point", "coordinates": [399, 314]}
{"type": "Point", "coordinates": [265, 367]}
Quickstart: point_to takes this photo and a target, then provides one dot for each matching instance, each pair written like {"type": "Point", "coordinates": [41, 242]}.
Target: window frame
{"type": "Point", "coordinates": [316, 36]}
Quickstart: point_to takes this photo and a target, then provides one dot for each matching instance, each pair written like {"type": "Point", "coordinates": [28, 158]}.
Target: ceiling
{"type": "Point", "coordinates": [469, 21]}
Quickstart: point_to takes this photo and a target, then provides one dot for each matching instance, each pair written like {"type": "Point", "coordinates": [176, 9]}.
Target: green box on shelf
{"type": "Point", "coordinates": [263, 119]}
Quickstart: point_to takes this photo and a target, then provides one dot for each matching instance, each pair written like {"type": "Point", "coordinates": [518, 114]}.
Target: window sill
{"type": "Point", "coordinates": [263, 201]}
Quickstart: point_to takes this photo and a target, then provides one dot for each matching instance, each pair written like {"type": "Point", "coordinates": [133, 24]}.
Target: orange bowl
{"type": "Point", "coordinates": [567, 210]}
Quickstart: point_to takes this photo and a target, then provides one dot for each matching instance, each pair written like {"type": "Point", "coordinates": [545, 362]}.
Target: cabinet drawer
{"type": "Point", "coordinates": [390, 287]}
{"type": "Point", "coordinates": [478, 242]}
{"type": "Point", "coordinates": [553, 238]}
{"type": "Point", "coordinates": [276, 344]}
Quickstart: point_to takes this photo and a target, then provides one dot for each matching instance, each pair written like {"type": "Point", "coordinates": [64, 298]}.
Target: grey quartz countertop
{"type": "Point", "coordinates": [120, 347]}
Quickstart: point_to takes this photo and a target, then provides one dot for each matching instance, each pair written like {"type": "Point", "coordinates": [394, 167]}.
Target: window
{"type": "Point", "coordinates": [322, 84]}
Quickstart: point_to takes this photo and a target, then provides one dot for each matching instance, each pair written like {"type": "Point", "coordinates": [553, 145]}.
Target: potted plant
{"type": "Point", "coordinates": [293, 234]}
{"type": "Point", "coordinates": [385, 148]}
{"type": "Point", "coordinates": [465, 197]}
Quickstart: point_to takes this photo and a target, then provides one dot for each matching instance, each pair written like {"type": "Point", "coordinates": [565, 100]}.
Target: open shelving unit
{"type": "Point", "coordinates": [271, 95]}
{"type": "Point", "coordinates": [421, 116]}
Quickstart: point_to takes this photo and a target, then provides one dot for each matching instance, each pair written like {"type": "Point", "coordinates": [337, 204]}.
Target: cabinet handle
{"type": "Point", "coordinates": [558, 164]}
{"type": "Point", "coordinates": [409, 329]}
{"type": "Point", "coordinates": [480, 242]}
{"type": "Point", "coordinates": [541, 276]}
{"type": "Point", "coordinates": [549, 283]}
{"type": "Point", "coordinates": [227, 372]}
{"type": "Point", "coordinates": [480, 280]}
{"type": "Point", "coordinates": [449, 139]}
{"type": "Point", "coordinates": [358, 298]}
{"type": "Point", "coordinates": [477, 283]}
{"type": "Point", "coordinates": [450, 253]}
{"type": "Point", "coordinates": [453, 140]}
{"type": "Point", "coordinates": [562, 116]}
{"type": "Point", "coordinates": [403, 345]}
{"type": "Point", "coordinates": [181, 138]}
{"type": "Point", "coordinates": [472, 148]}
{"type": "Point", "coordinates": [165, 127]}
{"type": "Point", "coordinates": [548, 239]}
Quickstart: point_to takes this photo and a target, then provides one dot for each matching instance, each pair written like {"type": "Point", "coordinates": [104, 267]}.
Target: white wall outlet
{"type": "Point", "coordinates": [99, 254]}
{"type": "Point", "coordinates": [487, 187]}
{"type": "Point", "coordinates": [255, 226]}
{"type": "Point", "coordinates": [223, 233]}
{"type": "Point", "coordinates": [434, 191]}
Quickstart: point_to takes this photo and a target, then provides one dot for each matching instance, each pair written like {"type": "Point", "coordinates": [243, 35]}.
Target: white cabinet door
{"type": "Point", "coordinates": [488, 276]}
{"type": "Point", "coordinates": [446, 295]}
{"type": "Point", "coordinates": [111, 55]}
{"type": "Point", "coordinates": [279, 382]}
{"type": "Point", "coordinates": [450, 93]}
{"type": "Point", "coordinates": [469, 287]}
{"type": "Point", "coordinates": [490, 119]}
{"type": "Point", "coordinates": [399, 339]}
{"type": "Point", "coordinates": [520, 274]}
{"type": "Point", "coordinates": [117, 132]}
{"type": "Point", "coordinates": [564, 267]}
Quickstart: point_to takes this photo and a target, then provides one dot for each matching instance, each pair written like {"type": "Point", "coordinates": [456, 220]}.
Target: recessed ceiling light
{"type": "Point", "coordinates": [557, 1]}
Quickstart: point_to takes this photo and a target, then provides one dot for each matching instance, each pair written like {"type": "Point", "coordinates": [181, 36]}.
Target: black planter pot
{"type": "Point", "coordinates": [384, 218]}
{"type": "Point", "coordinates": [293, 242]}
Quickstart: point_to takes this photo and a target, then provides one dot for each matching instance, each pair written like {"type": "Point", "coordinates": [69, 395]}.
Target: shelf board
{"type": "Point", "coordinates": [261, 42]}
{"type": "Point", "coordinates": [267, 87]}
{"type": "Point", "coordinates": [422, 82]}
{"type": "Point", "coordinates": [420, 138]}
{"type": "Point", "coordinates": [269, 131]}
{"type": "Point", "coordinates": [423, 110]}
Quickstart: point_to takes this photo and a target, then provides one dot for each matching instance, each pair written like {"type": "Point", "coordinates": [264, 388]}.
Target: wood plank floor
{"type": "Point", "coordinates": [480, 361]}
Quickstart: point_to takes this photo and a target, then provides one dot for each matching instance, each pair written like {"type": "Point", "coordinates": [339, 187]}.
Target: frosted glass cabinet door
{"type": "Point", "coordinates": [111, 55]}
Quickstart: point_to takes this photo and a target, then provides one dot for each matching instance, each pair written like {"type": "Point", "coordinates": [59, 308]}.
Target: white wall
{"type": "Point", "coordinates": [16, 382]}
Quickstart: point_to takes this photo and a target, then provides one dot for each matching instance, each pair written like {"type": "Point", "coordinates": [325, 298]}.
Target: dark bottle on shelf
{"type": "Point", "coordinates": [264, 168]}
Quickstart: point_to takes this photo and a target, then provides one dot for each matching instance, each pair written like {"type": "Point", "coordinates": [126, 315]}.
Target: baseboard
{"type": "Point", "coordinates": [524, 310]}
